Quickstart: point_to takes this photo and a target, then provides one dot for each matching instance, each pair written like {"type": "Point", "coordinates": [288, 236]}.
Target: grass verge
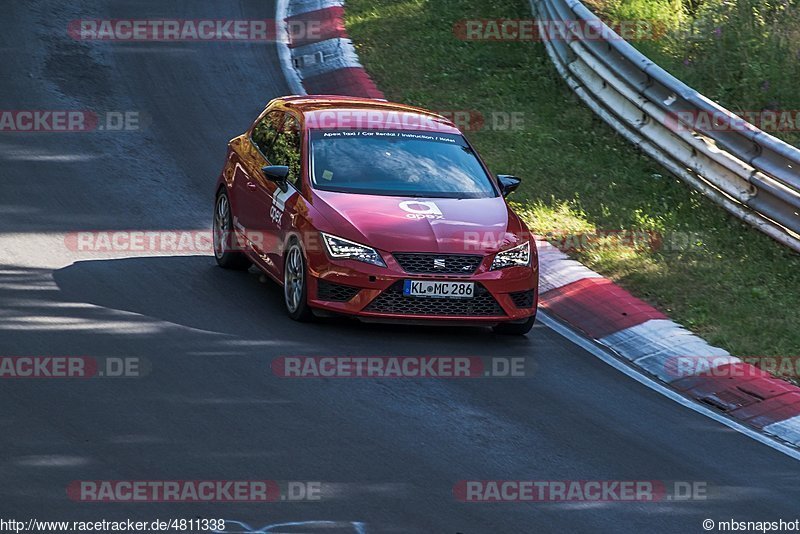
{"type": "Point", "coordinates": [727, 283]}
{"type": "Point", "coordinates": [744, 54]}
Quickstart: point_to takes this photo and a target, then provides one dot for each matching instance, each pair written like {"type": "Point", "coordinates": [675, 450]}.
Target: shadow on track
{"type": "Point", "coordinates": [192, 291]}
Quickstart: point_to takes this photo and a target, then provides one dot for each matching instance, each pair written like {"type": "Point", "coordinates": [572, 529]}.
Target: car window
{"type": "Point", "coordinates": [265, 131]}
{"type": "Point", "coordinates": [286, 149]}
{"type": "Point", "coordinates": [397, 163]}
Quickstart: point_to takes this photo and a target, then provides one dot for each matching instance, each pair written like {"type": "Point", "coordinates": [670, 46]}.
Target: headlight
{"type": "Point", "coordinates": [344, 249]}
{"type": "Point", "coordinates": [519, 256]}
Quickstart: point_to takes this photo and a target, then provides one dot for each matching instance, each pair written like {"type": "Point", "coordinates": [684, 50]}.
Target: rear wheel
{"type": "Point", "coordinates": [295, 286]}
{"type": "Point", "coordinates": [515, 329]}
{"type": "Point", "coordinates": [224, 238]}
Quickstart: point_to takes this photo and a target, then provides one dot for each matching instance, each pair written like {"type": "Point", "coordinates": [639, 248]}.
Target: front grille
{"type": "Point", "coordinates": [414, 263]}
{"type": "Point", "coordinates": [335, 292]}
{"type": "Point", "coordinates": [523, 299]}
{"type": "Point", "coordinates": [393, 301]}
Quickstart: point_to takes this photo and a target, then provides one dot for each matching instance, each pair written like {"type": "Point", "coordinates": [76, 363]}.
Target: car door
{"type": "Point", "coordinates": [286, 149]}
{"type": "Point", "coordinates": [252, 189]}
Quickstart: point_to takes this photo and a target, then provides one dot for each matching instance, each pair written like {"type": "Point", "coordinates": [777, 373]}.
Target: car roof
{"type": "Point", "coordinates": [347, 112]}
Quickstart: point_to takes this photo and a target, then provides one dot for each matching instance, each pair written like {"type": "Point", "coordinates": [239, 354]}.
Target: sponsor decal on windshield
{"type": "Point", "coordinates": [389, 135]}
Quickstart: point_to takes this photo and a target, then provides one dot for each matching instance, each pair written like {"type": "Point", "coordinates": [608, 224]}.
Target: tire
{"type": "Point", "coordinates": [515, 329]}
{"type": "Point", "coordinates": [295, 284]}
{"type": "Point", "coordinates": [224, 237]}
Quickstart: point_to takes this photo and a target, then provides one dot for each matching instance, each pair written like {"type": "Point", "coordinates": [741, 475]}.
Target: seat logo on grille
{"type": "Point", "coordinates": [439, 263]}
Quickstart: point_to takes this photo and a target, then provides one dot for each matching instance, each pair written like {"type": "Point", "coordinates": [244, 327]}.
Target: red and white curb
{"type": "Point", "coordinates": [648, 340]}
{"type": "Point", "coordinates": [729, 390]}
{"type": "Point", "coordinates": [322, 61]}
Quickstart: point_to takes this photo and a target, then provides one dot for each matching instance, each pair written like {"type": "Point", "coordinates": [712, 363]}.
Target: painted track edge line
{"type": "Point", "coordinates": [606, 356]}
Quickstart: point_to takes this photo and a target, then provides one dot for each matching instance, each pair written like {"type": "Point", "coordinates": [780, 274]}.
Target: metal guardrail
{"type": "Point", "coordinates": [750, 173]}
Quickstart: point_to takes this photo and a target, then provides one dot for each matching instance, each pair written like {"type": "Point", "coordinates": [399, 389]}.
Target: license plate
{"type": "Point", "coordinates": [419, 288]}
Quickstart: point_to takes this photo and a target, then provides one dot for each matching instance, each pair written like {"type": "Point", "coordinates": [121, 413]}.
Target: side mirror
{"type": "Point", "coordinates": [508, 184]}
{"type": "Point", "coordinates": [277, 174]}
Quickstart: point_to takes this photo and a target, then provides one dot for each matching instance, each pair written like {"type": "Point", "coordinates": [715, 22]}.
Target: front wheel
{"type": "Point", "coordinates": [224, 238]}
{"type": "Point", "coordinates": [295, 286]}
{"type": "Point", "coordinates": [515, 329]}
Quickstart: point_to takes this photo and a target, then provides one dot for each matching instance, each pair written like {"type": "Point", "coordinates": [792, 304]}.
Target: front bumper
{"type": "Point", "coordinates": [375, 293]}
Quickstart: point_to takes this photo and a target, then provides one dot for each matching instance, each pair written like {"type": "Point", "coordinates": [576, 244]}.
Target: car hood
{"type": "Point", "coordinates": [405, 224]}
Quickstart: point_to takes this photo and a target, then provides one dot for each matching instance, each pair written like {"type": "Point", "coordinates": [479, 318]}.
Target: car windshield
{"type": "Point", "coordinates": [397, 163]}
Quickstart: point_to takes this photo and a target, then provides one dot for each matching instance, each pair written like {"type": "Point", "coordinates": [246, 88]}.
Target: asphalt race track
{"type": "Point", "coordinates": [388, 452]}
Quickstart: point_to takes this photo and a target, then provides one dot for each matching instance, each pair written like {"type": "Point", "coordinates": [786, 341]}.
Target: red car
{"type": "Point", "coordinates": [376, 210]}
